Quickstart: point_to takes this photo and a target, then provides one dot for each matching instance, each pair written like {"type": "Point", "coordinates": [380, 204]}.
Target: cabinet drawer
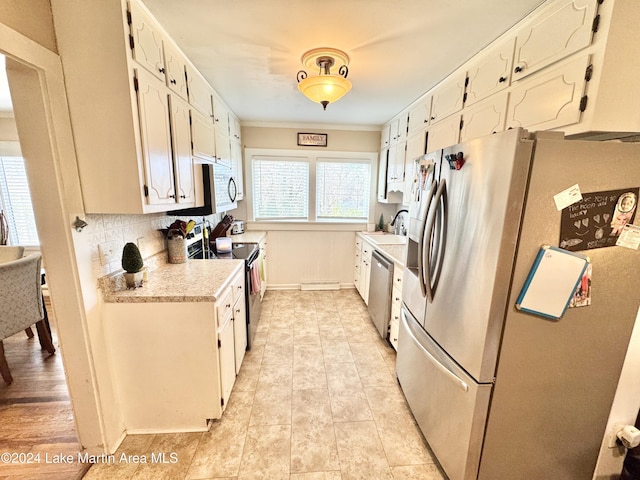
{"type": "Point", "coordinates": [398, 273]}
{"type": "Point", "coordinates": [224, 306]}
{"type": "Point", "coordinates": [238, 288]}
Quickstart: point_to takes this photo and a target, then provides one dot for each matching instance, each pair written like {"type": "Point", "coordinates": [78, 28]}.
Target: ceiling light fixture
{"type": "Point", "coordinates": [326, 87]}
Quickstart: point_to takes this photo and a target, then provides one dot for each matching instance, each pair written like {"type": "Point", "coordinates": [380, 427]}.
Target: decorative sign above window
{"type": "Point", "coordinates": [312, 139]}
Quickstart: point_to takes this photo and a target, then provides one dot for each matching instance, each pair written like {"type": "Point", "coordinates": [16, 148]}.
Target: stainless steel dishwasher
{"type": "Point", "coordinates": [380, 284]}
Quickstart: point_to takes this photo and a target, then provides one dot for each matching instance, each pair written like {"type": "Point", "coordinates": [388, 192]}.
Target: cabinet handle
{"type": "Point", "coordinates": [183, 196]}
{"type": "Point", "coordinates": [172, 196]}
{"type": "Point", "coordinates": [173, 81]}
{"type": "Point", "coordinates": [433, 118]}
{"type": "Point", "coordinates": [161, 69]}
{"type": "Point", "coordinates": [518, 69]}
{"type": "Point", "coordinates": [502, 79]}
{"type": "Point", "coordinates": [228, 305]}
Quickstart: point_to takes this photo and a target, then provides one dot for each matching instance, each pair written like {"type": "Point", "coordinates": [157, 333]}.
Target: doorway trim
{"type": "Point", "coordinates": [46, 140]}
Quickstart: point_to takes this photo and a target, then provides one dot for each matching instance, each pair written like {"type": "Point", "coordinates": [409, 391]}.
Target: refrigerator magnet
{"type": "Point", "coordinates": [552, 282]}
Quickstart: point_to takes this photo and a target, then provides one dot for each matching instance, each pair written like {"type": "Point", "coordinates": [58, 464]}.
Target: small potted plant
{"type": "Point", "coordinates": [132, 264]}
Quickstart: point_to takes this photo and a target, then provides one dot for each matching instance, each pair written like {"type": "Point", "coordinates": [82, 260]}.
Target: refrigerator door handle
{"type": "Point", "coordinates": [452, 376]}
{"type": "Point", "coordinates": [436, 219]}
{"type": "Point", "coordinates": [421, 260]}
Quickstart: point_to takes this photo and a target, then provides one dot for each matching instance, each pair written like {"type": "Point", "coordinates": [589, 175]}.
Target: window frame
{"type": "Point", "coordinates": [312, 156]}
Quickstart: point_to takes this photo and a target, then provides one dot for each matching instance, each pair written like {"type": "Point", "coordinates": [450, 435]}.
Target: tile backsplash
{"type": "Point", "coordinates": [116, 230]}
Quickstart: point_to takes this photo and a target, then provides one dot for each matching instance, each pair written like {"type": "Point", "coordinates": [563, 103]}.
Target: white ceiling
{"type": "Point", "coordinates": [250, 50]}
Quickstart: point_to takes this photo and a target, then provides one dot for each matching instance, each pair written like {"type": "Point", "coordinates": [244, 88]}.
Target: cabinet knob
{"type": "Point", "coordinates": [161, 69]}
{"type": "Point", "coordinates": [502, 79]}
{"type": "Point", "coordinates": [172, 196]}
{"type": "Point", "coordinates": [183, 196]}
{"type": "Point", "coordinates": [518, 69]}
{"type": "Point", "coordinates": [228, 305]}
{"type": "Point", "coordinates": [433, 117]}
{"type": "Point", "coordinates": [173, 81]}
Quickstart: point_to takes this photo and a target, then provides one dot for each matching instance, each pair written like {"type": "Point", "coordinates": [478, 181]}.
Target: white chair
{"type": "Point", "coordinates": [21, 304]}
{"type": "Point", "coordinates": [8, 253]}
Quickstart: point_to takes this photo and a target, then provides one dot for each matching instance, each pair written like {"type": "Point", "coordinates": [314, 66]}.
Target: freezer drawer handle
{"type": "Point", "coordinates": [444, 369]}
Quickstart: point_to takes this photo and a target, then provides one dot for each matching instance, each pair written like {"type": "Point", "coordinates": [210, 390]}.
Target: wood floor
{"type": "Point", "coordinates": [36, 421]}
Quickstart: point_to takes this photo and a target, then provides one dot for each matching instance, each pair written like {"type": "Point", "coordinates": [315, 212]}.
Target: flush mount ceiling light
{"type": "Point", "coordinates": [326, 87]}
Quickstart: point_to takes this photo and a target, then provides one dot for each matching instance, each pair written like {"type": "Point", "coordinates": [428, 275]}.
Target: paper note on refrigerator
{"type": "Point", "coordinates": [552, 282]}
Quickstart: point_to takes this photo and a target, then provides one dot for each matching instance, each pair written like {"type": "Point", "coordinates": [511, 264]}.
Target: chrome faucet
{"type": "Point", "coordinates": [399, 229]}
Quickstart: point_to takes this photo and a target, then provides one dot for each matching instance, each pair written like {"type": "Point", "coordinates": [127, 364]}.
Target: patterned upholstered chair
{"type": "Point", "coordinates": [21, 304]}
{"type": "Point", "coordinates": [8, 253]}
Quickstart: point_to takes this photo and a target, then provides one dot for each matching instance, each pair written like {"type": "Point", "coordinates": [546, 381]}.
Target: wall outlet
{"type": "Point", "coordinates": [141, 245]}
{"type": "Point", "coordinates": [109, 252]}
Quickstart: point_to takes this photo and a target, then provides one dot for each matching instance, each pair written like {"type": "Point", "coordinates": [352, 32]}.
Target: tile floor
{"type": "Point", "coordinates": [316, 399]}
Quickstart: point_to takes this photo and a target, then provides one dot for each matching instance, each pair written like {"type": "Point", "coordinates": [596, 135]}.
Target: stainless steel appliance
{"type": "Point", "coordinates": [499, 393]}
{"type": "Point", "coordinates": [197, 248]}
{"type": "Point", "coordinates": [237, 227]}
{"type": "Point", "coordinates": [219, 191]}
{"type": "Point", "coordinates": [380, 285]}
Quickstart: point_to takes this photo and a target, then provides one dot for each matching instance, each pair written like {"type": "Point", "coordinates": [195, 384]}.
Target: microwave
{"type": "Point", "coordinates": [218, 193]}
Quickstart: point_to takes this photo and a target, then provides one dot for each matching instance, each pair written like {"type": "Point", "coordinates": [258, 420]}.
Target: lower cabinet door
{"type": "Point", "coordinates": [226, 349]}
{"type": "Point", "coordinates": [239, 332]}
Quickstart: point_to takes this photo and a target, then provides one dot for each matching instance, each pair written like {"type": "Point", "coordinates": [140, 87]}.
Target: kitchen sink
{"type": "Point", "coordinates": [387, 239]}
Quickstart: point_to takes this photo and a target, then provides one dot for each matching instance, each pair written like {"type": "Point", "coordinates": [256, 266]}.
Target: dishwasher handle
{"type": "Point", "coordinates": [382, 261]}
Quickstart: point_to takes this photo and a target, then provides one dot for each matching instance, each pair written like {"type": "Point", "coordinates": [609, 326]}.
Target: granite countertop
{"type": "Point", "coordinates": [394, 247]}
{"type": "Point", "coordinates": [193, 281]}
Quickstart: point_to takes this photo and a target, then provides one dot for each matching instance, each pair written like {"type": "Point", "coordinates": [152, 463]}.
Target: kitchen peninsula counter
{"type": "Point", "coordinates": [193, 281]}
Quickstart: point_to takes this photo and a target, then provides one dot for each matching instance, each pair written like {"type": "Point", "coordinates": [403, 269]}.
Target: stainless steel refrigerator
{"type": "Point", "coordinates": [499, 393]}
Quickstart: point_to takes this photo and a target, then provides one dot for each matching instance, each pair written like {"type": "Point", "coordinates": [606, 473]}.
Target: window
{"type": "Point", "coordinates": [314, 187]}
{"type": "Point", "coordinates": [342, 190]}
{"type": "Point", "coordinates": [15, 202]}
{"type": "Point", "coordinates": [280, 189]}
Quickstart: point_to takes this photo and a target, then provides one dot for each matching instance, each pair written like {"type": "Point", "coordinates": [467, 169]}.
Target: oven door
{"type": "Point", "coordinates": [254, 304]}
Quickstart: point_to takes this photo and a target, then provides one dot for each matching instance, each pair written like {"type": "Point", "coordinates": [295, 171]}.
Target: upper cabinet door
{"type": "Point", "coordinates": [175, 65]}
{"type": "Point", "coordinates": [419, 115]}
{"type": "Point", "coordinates": [448, 97]}
{"type": "Point", "coordinates": [199, 93]}
{"type": "Point", "coordinates": [155, 132]}
{"type": "Point", "coordinates": [147, 41]}
{"type": "Point", "coordinates": [551, 99]}
{"type": "Point", "coordinates": [220, 116]}
{"type": "Point", "coordinates": [484, 118]}
{"type": "Point", "coordinates": [554, 36]}
{"type": "Point", "coordinates": [183, 164]}
{"type": "Point", "coordinates": [490, 73]}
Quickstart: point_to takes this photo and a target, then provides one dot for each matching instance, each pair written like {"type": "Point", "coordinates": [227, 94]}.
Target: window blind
{"type": "Point", "coordinates": [280, 189]}
{"type": "Point", "coordinates": [16, 202]}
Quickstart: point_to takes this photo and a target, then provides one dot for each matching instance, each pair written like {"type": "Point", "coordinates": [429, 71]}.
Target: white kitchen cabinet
{"type": "Point", "coordinates": [263, 266]}
{"type": "Point", "coordinates": [239, 331]}
{"type": "Point", "coordinates": [385, 136]}
{"type": "Point", "coordinates": [484, 118]}
{"type": "Point", "coordinates": [490, 72]}
{"type": "Point", "coordinates": [556, 34]}
{"type": "Point", "coordinates": [237, 168]}
{"type": "Point", "coordinates": [444, 133]}
{"type": "Point", "coordinates": [220, 116]}
{"type": "Point", "coordinates": [146, 41]}
{"type": "Point", "coordinates": [416, 146]}
{"type": "Point", "coordinates": [395, 173]}
{"type": "Point", "coordinates": [223, 149]}
{"type": "Point", "coordinates": [121, 114]}
{"type": "Point", "coordinates": [155, 132]}
{"type": "Point", "coordinates": [239, 320]}
{"type": "Point", "coordinates": [154, 51]}
{"type": "Point", "coordinates": [396, 305]}
{"type": "Point", "coordinates": [419, 115]}
{"type": "Point", "coordinates": [234, 128]}
{"type": "Point", "coordinates": [182, 162]}
{"type": "Point", "coordinates": [175, 65]}
{"type": "Point", "coordinates": [226, 350]}
{"type": "Point", "coordinates": [203, 137]}
{"type": "Point", "coordinates": [365, 270]}
{"type": "Point", "coordinates": [550, 99]}
{"type": "Point", "coordinates": [200, 93]}
{"type": "Point", "coordinates": [448, 97]}
{"type": "Point", "coordinates": [384, 194]}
